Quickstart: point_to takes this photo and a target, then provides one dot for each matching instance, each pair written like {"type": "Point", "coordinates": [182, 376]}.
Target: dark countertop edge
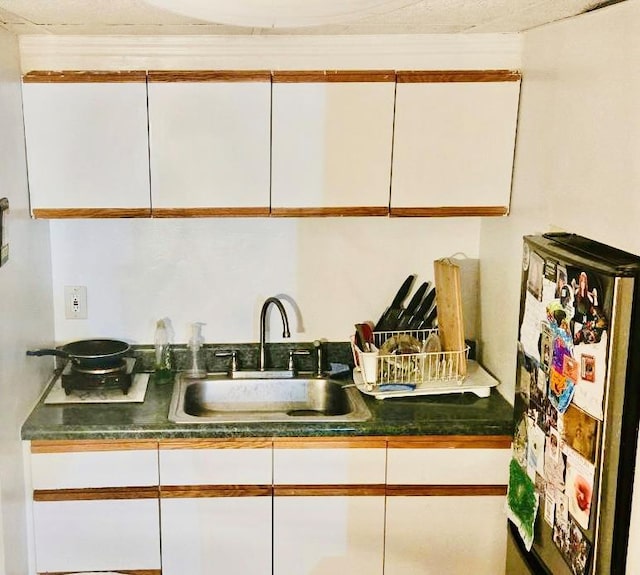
{"type": "Point", "coordinates": [224, 432]}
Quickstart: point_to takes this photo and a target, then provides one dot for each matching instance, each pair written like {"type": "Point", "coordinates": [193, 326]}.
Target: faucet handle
{"type": "Point", "coordinates": [292, 354]}
{"type": "Point", "coordinates": [317, 344]}
{"type": "Point", "coordinates": [233, 354]}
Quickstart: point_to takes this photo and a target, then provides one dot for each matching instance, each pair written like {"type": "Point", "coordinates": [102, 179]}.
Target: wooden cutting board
{"type": "Point", "coordinates": [449, 303]}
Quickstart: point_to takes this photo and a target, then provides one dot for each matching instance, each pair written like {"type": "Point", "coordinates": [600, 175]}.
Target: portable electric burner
{"type": "Point", "coordinates": [117, 376]}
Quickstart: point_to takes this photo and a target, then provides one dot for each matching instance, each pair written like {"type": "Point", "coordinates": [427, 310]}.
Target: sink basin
{"type": "Point", "coordinates": [219, 399]}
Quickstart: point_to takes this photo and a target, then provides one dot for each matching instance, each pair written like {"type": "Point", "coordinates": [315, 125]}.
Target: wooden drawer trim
{"type": "Point", "coordinates": [445, 490]}
{"type": "Point", "coordinates": [328, 490]}
{"type": "Point", "coordinates": [291, 76]}
{"type": "Point", "coordinates": [231, 443]}
{"type": "Point", "coordinates": [88, 445]}
{"type": "Point", "coordinates": [95, 494]}
{"type": "Point", "coordinates": [209, 76]}
{"type": "Point", "coordinates": [329, 443]}
{"type": "Point", "coordinates": [125, 572]}
{"type": "Point", "coordinates": [449, 211]}
{"type": "Point", "coordinates": [68, 213]}
{"type": "Point", "coordinates": [451, 441]}
{"type": "Point", "coordinates": [239, 212]}
{"type": "Point", "coordinates": [80, 76]}
{"type": "Point", "coordinates": [193, 491]}
{"type": "Point", "coordinates": [409, 77]}
{"type": "Point", "coordinates": [352, 211]}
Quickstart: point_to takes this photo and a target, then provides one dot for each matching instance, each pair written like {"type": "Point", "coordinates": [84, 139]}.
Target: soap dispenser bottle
{"type": "Point", "coordinates": [163, 369]}
{"type": "Point", "coordinates": [197, 365]}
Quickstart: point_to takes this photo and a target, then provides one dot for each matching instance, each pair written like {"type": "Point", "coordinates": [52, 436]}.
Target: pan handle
{"type": "Point", "coordinates": [40, 352]}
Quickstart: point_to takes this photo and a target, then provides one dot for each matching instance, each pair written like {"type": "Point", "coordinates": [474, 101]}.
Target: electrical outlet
{"type": "Point", "coordinates": [75, 302]}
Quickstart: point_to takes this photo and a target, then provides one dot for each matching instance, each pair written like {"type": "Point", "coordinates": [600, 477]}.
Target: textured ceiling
{"type": "Point", "coordinates": [137, 17]}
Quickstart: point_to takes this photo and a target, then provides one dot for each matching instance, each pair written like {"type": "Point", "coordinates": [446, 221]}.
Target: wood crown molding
{"type": "Point", "coordinates": [328, 76]}
{"type": "Point", "coordinates": [239, 212]}
{"type": "Point", "coordinates": [209, 76]}
{"type": "Point", "coordinates": [450, 442]}
{"type": "Point", "coordinates": [84, 76]}
{"type": "Point", "coordinates": [83, 213]}
{"type": "Point", "coordinates": [230, 443]}
{"type": "Point", "coordinates": [435, 76]}
{"type": "Point", "coordinates": [203, 491]}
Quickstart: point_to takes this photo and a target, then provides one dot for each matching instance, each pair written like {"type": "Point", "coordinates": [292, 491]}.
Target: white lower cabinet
{"type": "Point", "coordinates": [445, 535]}
{"type": "Point", "coordinates": [329, 506]}
{"type": "Point", "coordinates": [95, 506]}
{"type": "Point", "coordinates": [445, 506]}
{"type": "Point", "coordinates": [288, 506]}
{"type": "Point", "coordinates": [98, 535]}
{"type": "Point", "coordinates": [216, 507]}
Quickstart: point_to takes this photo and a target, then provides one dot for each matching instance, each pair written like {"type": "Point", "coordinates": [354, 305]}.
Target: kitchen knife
{"type": "Point", "coordinates": [405, 315]}
{"type": "Point", "coordinates": [424, 308]}
{"type": "Point", "coordinates": [431, 319]}
{"type": "Point", "coordinates": [396, 305]}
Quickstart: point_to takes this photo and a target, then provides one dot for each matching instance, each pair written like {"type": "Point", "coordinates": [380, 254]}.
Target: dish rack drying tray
{"type": "Point", "coordinates": [383, 373]}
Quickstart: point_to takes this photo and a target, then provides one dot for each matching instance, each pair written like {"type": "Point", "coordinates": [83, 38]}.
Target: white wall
{"type": "Point", "coordinates": [335, 272]}
{"type": "Point", "coordinates": [576, 167]}
{"type": "Point", "coordinates": [27, 317]}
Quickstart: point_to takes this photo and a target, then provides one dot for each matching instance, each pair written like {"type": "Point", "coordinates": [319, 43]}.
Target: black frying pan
{"type": "Point", "coordinates": [90, 353]}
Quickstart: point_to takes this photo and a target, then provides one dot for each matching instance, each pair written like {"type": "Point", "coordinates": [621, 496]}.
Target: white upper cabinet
{"type": "Point", "coordinates": [87, 146]}
{"type": "Point", "coordinates": [209, 140]}
{"type": "Point", "coordinates": [331, 143]}
{"type": "Point", "coordinates": [454, 141]}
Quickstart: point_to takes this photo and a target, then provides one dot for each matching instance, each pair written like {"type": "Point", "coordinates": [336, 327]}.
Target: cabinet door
{"type": "Point", "coordinates": [87, 144]}
{"type": "Point", "coordinates": [95, 505]}
{"type": "Point", "coordinates": [328, 509]}
{"type": "Point", "coordinates": [210, 143]}
{"type": "Point", "coordinates": [327, 534]}
{"type": "Point", "coordinates": [445, 505]}
{"type": "Point", "coordinates": [216, 507]}
{"type": "Point", "coordinates": [445, 535]}
{"type": "Point", "coordinates": [331, 146]}
{"type": "Point", "coordinates": [97, 535]}
{"type": "Point", "coordinates": [454, 142]}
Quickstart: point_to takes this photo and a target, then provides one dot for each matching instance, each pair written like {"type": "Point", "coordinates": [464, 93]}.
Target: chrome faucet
{"type": "Point", "coordinates": [263, 317]}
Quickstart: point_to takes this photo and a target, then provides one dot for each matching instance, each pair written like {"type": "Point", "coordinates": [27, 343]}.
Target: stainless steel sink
{"type": "Point", "coordinates": [219, 399]}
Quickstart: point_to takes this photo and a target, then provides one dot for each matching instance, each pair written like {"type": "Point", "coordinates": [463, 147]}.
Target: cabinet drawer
{"type": "Point", "coordinates": [329, 462]}
{"type": "Point", "coordinates": [232, 462]}
{"type": "Point", "coordinates": [105, 464]}
{"type": "Point", "coordinates": [441, 466]}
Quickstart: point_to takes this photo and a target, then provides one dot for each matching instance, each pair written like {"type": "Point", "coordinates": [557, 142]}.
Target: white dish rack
{"type": "Point", "coordinates": [422, 373]}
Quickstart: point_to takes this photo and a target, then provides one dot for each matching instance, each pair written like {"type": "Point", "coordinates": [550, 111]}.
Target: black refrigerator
{"type": "Point", "coordinates": [576, 408]}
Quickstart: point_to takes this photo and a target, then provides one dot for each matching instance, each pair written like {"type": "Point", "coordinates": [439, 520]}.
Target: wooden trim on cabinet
{"type": "Point", "coordinates": [445, 490]}
{"type": "Point", "coordinates": [230, 443]}
{"type": "Point", "coordinates": [348, 211]}
{"type": "Point", "coordinates": [449, 211]}
{"type": "Point", "coordinates": [209, 75]}
{"type": "Point", "coordinates": [236, 212]}
{"type": "Point", "coordinates": [328, 490]}
{"type": "Point", "coordinates": [193, 491]}
{"type": "Point", "coordinates": [123, 571]}
{"type": "Point", "coordinates": [295, 76]}
{"type": "Point", "coordinates": [450, 442]}
{"type": "Point", "coordinates": [82, 76]}
{"type": "Point", "coordinates": [69, 213]}
{"type": "Point", "coordinates": [95, 493]}
{"type": "Point", "coordinates": [87, 445]}
{"type": "Point", "coordinates": [439, 76]}
{"type": "Point", "coordinates": [329, 442]}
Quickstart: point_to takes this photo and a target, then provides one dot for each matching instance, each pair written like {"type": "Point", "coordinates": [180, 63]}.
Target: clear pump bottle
{"type": "Point", "coordinates": [197, 363]}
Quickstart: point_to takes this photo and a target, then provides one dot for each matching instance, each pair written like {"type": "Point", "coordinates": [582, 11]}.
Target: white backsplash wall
{"type": "Point", "coordinates": [331, 272]}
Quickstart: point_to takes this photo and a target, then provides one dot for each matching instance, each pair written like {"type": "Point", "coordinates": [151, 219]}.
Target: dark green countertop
{"type": "Point", "coordinates": [453, 414]}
